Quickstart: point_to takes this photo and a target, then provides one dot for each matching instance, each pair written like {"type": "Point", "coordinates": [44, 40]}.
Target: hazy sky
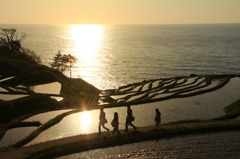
{"type": "Point", "coordinates": [119, 11]}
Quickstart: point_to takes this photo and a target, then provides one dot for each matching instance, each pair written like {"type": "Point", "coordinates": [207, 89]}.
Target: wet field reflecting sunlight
{"type": "Point", "coordinates": [204, 106]}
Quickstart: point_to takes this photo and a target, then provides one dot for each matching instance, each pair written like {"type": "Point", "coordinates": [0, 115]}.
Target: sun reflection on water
{"type": "Point", "coordinates": [85, 121]}
{"type": "Point", "coordinates": [86, 39]}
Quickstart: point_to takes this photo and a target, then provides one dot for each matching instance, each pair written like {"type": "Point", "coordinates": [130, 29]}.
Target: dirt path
{"type": "Point", "coordinates": [167, 130]}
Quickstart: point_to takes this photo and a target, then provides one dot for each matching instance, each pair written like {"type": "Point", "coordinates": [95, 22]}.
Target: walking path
{"type": "Point", "coordinates": [168, 130]}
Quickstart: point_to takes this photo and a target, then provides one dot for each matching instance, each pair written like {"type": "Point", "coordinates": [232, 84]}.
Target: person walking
{"type": "Point", "coordinates": [102, 122]}
{"type": "Point", "coordinates": [157, 118]}
{"type": "Point", "coordinates": [115, 123]}
{"type": "Point", "coordinates": [130, 118]}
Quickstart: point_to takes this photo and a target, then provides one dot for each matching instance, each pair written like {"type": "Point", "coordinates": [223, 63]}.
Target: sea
{"type": "Point", "coordinates": [110, 56]}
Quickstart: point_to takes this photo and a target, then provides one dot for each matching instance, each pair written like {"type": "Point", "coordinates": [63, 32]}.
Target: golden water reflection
{"type": "Point", "coordinates": [85, 121]}
{"type": "Point", "coordinates": [86, 39]}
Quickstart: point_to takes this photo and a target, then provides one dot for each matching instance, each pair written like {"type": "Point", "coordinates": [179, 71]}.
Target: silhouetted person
{"type": "Point", "coordinates": [129, 119]}
{"type": "Point", "coordinates": [157, 118]}
{"type": "Point", "coordinates": [115, 123]}
{"type": "Point", "coordinates": [102, 121]}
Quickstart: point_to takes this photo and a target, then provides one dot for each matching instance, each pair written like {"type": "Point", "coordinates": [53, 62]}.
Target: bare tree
{"type": "Point", "coordinates": [9, 37]}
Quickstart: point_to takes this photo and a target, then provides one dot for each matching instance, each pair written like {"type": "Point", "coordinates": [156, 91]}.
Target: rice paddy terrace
{"type": "Point", "coordinates": [163, 89]}
{"type": "Point", "coordinates": [143, 92]}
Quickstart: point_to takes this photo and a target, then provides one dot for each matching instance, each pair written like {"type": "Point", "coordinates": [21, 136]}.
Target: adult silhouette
{"type": "Point", "coordinates": [130, 118]}
{"type": "Point", "coordinates": [157, 118]}
{"type": "Point", "coordinates": [102, 121]}
{"type": "Point", "coordinates": [115, 123]}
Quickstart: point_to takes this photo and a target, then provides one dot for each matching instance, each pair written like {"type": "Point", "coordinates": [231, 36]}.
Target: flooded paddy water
{"type": "Point", "coordinates": [204, 106]}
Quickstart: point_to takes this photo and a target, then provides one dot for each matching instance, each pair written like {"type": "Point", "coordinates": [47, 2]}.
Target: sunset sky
{"type": "Point", "coordinates": [119, 11]}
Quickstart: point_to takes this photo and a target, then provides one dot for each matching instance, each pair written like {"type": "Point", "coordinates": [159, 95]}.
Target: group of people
{"type": "Point", "coordinates": [129, 119]}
